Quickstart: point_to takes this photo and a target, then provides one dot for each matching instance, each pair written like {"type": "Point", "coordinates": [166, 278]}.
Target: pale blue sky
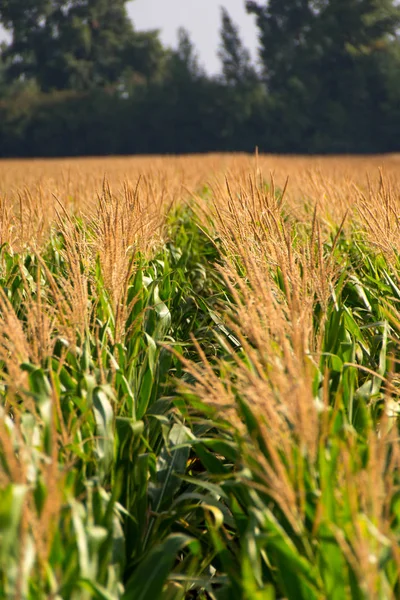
{"type": "Point", "coordinates": [200, 17]}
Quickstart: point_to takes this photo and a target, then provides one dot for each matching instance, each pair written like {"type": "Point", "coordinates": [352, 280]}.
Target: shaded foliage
{"type": "Point", "coordinates": [75, 45]}
{"type": "Point", "coordinates": [79, 79]}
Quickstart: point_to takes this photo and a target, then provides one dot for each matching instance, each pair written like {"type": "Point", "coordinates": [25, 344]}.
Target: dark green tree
{"type": "Point", "coordinates": [284, 35]}
{"type": "Point", "coordinates": [235, 58]}
{"type": "Point", "coordinates": [184, 61]}
{"type": "Point", "coordinates": [3, 71]}
{"type": "Point", "coordinates": [357, 40]}
{"type": "Point", "coordinates": [78, 44]}
{"type": "Point", "coordinates": [322, 62]}
{"type": "Point", "coordinates": [174, 105]}
{"type": "Point", "coordinates": [296, 33]}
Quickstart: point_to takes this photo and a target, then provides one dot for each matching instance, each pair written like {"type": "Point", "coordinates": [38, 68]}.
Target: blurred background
{"type": "Point", "coordinates": [106, 77]}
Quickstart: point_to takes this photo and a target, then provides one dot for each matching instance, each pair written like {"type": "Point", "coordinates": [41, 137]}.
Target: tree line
{"type": "Point", "coordinates": [77, 78]}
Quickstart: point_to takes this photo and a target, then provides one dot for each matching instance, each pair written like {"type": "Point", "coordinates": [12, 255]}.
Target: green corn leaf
{"type": "Point", "coordinates": [104, 418]}
{"type": "Point", "coordinates": [171, 463]}
{"type": "Point", "coordinates": [151, 574]}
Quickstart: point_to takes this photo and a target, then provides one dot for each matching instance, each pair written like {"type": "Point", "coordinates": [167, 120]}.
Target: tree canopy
{"type": "Point", "coordinates": [235, 58]}
{"type": "Point", "coordinates": [78, 44]}
{"type": "Point", "coordinates": [326, 80]}
{"type": "Point", "coordinates": [322, 63]}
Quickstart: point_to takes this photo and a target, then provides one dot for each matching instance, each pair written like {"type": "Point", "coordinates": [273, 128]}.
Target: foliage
{"type": "Point", "coordinates": [235, 59]}
{"type": "Point", "coordinates": [78, 45]}
{"type": "Point", "coordinates": [325, 82]}
{"type": "Point", "coordinates": [322, 63]}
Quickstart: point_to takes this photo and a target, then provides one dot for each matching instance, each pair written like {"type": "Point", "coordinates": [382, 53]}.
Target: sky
{"type": "Point", "coordinates": [200, 17]}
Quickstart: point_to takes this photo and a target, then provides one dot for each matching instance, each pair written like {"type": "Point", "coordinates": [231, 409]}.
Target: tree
{"type": "Point", "coordinates": [236, 62]}
{"type": "Point", "coordinates": [80, 44]}
{"type": "Point", "coordinates": [184, 61]}
{"type": "Point", "coordinates": [320, 63]}
{"type": "Point", "coordinates": [355, 38]}
{"type": "Point", "coordinates": [299, 33]}
{"type": "Point", "coordinates": [284, 32]}
{"type": "Point", "coordinates": [3, 72]}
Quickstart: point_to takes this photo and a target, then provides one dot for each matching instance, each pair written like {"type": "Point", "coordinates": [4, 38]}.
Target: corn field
{"type": "Point", "coordinates": [200, 378]}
